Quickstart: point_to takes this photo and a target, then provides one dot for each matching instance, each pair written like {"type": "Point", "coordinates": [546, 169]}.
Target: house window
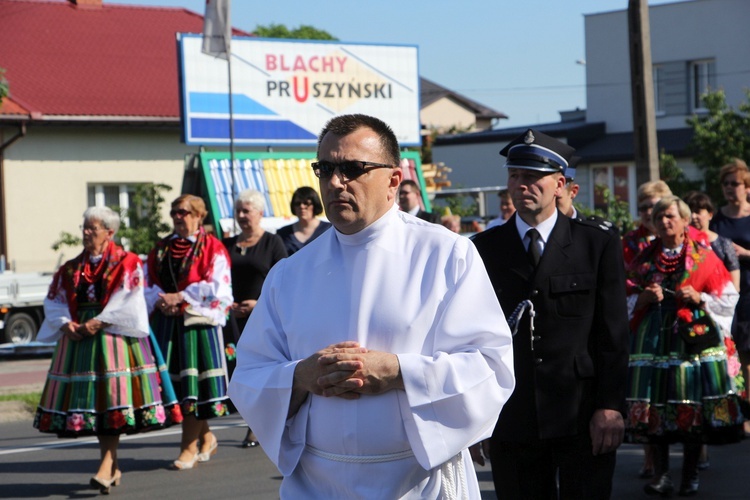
{"type": "Point", "coordinates": [702, 79]}
{"type": "Point", "coordinates": [614, 178]}
{"type": "Point", "coordinates": [118, 197]}
{"type": "Point", "coordinates": [660, 88]}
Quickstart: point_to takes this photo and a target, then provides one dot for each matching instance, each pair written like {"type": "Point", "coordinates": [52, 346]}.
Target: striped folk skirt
{"type": "Point", "coordinates": [678, 396]}
{"type": "Point", "coordinates": [106, 385]}
{"type": "Point", "coordinates": [197, 365]}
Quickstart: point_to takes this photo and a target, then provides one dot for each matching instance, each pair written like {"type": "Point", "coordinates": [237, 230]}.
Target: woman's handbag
{"type": "Point", "coordinates": [193, 318]}
{"type": "Point", "coordinates": [701, 332]}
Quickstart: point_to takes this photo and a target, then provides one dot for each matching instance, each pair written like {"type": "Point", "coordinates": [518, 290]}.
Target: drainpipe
{"type": "Point", "coordinates": [3, 225]}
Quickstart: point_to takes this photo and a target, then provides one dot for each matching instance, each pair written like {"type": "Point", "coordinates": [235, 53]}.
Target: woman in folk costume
{"type": "Point", "coordinates": [684, 374]}
{"type": "Point", "coordinates": [103, 379]}
{"type": "Point", "coordinates": [189, 296]}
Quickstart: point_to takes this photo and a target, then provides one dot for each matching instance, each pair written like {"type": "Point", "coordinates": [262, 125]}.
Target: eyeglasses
{"type": "Point", "coordinates": [645, 208]}
{"type": "Point", "coordinates": [89, 229]}
{"type": "Point", "coordinates": [349, 170]}
{"type": "Point", "coordinates": [733, 184]}
{"type": "Point", "coordinates": [181, 212]}
{"type": "Point", "coordinates": [306, 203]}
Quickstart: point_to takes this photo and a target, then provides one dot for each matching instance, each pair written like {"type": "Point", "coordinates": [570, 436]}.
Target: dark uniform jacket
{"type": "Point", "coordinates": [433, 217]}
{"type": "Point", "coordinates": [579, 359]}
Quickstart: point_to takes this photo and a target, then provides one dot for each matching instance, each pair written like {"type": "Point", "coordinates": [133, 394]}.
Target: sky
{"type": "Point", "coordinates": [523, 58]}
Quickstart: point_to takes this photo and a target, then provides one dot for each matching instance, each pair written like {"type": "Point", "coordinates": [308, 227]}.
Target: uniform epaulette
{"type": "Point", "coordinates": [595, 221]}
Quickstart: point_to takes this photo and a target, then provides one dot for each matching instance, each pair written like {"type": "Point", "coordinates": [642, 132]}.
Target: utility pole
{"type": "Point", "coordinates": [642, 93]}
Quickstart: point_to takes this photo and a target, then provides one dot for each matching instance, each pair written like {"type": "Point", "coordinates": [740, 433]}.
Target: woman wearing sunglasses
{"type": "Point", "coordinates": [733, 221]}
{"type": "Point", "coordinates": [634, 242]}
{"type": "Point", "coordinates": [189, 296]}
{"type": "Point", "coordinates": [306, 206]}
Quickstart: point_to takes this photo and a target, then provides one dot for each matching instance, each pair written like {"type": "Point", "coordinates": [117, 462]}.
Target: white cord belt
{"type": "Point", "coordinates": [454, 486]}
{"type": "Point", "coordinates": [360, 459]}
{"type": "Point", "coordinates": [515, 318]}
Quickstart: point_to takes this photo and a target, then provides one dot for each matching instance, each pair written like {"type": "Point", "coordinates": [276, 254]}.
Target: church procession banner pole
{"type": "Point", "coordinates": [217, 37]}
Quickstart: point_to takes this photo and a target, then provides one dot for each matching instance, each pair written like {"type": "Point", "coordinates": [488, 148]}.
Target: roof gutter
{"type": "Point", "coordinates": [111, 119]}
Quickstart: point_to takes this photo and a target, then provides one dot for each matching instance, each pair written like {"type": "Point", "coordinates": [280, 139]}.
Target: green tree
{"type": "Point", "coordinates": [304, 32]}
{"type": "Point", "coordinates": [459, 204]}
{"type": "Point", "coordinates": [66, 240]}
{"type": "Point", "coordinates": [4, 87]}
{"type": "Point", "coordinates": [675, 177]}
{"type": "Point", "coordinates": [145, 226]}
{"type": "Point", "coordinates": [720, 135]}
{"type": "Point", "coordinates": [617, 211]}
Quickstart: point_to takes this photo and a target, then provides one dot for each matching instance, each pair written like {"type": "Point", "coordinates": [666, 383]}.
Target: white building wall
{"type": "Point", "coordinates": [682, 31]}
{"type": "Point", "coordinates": [46, 175]}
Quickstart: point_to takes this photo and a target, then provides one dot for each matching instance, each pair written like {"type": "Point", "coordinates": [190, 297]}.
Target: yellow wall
{"type": "Point", "coordinates": [47, 173]}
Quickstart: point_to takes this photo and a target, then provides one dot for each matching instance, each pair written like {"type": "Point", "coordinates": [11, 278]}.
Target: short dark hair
{"type": "Point", "coordinates": [698, 201]}
{"type": "Point", "coordinates": [346, 124]}
{"type": "Point", "coordinates": [306, 193]}
{"type": "Point", "coordinates": [504, 194]}
{"type": "Point", "coordinates": [409, 182]}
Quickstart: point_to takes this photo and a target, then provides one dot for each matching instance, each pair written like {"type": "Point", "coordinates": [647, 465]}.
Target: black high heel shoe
{"type": "Point", "coordinates": [248, 442]}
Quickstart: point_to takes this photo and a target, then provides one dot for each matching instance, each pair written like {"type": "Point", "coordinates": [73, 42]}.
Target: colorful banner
{"type": "Point", "coordinates": [285, 91]}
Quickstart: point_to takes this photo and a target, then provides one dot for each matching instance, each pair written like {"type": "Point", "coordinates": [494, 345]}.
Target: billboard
{"type": "Point", "coordinates": [284, 92]}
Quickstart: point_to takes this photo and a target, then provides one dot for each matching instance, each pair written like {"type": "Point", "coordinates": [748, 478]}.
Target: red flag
{"type": "Point", "coordinates": [217, 29]}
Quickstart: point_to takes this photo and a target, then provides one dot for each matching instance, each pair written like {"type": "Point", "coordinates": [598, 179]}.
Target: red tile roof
{"type": "Point", "coordinates": [108, 61]}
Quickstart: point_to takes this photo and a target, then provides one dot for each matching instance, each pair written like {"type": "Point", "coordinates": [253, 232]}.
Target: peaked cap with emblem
{"type": "Point", "coordinates": [534, 150]}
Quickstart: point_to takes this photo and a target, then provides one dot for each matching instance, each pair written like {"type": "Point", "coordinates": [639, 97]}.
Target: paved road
{"type": "Point", "coordinates": [35, 465]}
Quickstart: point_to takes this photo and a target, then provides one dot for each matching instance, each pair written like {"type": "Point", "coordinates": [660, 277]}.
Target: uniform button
{"type": "Point", "coordinates": [538, 361]}
{"type": "Point", "coordinates": [573, 285]}
{"type": "Point", "coordinates": [534, 293]}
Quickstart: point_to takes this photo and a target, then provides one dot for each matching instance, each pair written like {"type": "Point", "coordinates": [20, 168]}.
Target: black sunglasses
{"type": "Point", "coordinates": [179, 212]}
{"type": "Point", "coordinates": [349, 170]}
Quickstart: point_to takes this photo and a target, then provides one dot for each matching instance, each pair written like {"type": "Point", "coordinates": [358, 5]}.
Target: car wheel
{"type": "Point", "coordinates": [20, 328]}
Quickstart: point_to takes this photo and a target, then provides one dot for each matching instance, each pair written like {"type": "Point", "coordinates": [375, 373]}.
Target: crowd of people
{"type": "Point", "coordinates": [143, 347]}
{"type": "Point", "coordinates": [541, 344]}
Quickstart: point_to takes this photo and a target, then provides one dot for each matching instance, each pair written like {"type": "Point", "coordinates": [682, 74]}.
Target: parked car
{"type": "Point", "coordinates": [21, 312]}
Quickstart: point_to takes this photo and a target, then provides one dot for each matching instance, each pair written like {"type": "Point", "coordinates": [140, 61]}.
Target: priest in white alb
{"type": "Point", "coordinates": [377, 354]}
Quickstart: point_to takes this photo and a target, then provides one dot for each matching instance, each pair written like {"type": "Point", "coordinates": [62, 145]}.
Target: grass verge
{"type": "Point", "coordinates": [30, 399]}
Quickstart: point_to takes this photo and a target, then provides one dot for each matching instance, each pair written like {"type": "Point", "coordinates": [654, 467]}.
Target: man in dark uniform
{"type": "Point", "coordinates": [558, 434]}
{"type": "Point", "coordinates": [409, 195]}
{"type": "Point", "coordinates": [569, 193]}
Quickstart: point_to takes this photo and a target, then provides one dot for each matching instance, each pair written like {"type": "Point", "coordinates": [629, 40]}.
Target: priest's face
{"type": "Point", "coordinates": [352, 203]}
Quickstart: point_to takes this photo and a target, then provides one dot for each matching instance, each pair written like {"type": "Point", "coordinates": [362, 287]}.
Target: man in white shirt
{"type": "Point", "coordinates": [379, 353]}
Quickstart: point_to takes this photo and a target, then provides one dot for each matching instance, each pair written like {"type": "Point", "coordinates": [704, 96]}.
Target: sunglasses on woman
{"type": "Point", "coordinates": [179, 212]}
